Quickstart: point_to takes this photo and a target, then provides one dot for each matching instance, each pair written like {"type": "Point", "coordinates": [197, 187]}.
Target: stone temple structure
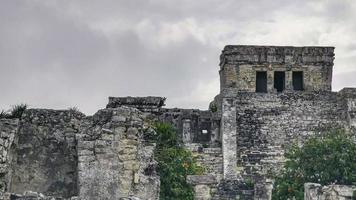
{"type": "Point", "coordinates": [270, 97]}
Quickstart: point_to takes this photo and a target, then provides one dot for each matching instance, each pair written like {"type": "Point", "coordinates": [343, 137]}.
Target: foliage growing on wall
{"type": "Point", "coordinates": [174, 164]}
{"type": "Point", "coordinates": [327, 160]}
{"type": "Point", "coordinates": [213, 107]}
{"type": "Point", "coordinates": [15, 112]}
{"type": "Point", "coordinates": [4, 114]}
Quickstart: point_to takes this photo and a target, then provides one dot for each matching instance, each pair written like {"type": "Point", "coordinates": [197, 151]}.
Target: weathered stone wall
{"type": "Point", "coordinates": [210, 158]}
{"type": "Point", "coordinates": [207, 187]}
{"type": "Point", "coordinates": [29, 195]}
{"type": "Point", "coordinates": [193, 126]}
{"type": "Point", "coordinates": [8, 130]}
{"type": "Point", "coordinates": [239, 65]}
{"type": "Point", "coordinates": [314, 191]}
{"type": "Point", "coordinates": [63, 154]}
{"type": "Point", "coordinates": [145, 104]}
{"type": "Point", "coordinates": [46, 153]}
{"type": "Point", "coordinates": [268, 123]}
{"type": "Point", "coordinates": [113, 160]}
{"type": "Point", "coordinates": [229, 139]}
{"type": "Point", "coordinates": [211, 185]}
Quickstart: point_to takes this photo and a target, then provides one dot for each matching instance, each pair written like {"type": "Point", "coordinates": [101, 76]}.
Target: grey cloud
{"type": "Point", "coordinates": [59, 53]}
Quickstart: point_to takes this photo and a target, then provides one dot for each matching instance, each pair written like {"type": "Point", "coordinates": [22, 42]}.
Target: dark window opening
{"type": "Point", "coordinates": [298, 81]}
{"type": "Point", "coordinates": [279, 81]}
{"type": "Point", "coordinates": [261, 82]}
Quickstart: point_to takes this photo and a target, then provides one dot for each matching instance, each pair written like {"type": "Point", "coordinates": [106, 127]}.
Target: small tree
{"type": "Point", "coordinates": [326, 160]}
{"type": "Point", "coordinates": [17, 110]}
{"type": "Point", "coordinates": [174, 164]}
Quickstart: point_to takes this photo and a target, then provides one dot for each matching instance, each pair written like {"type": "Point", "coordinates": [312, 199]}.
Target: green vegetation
{"type": "Point", "coordinates": [15, 112]}
{"type": "Point", "coordinates": [74, 109]}
{"type": "Point", "coordinates": [213, 107]}
{"type": "Point", "coordinates": [327, 160]}
{"type": "Point", "coordinates": [250, 183]}
{"type": "Point", "coordinates": [174, 164]}
{"type": "Point", "coordinates": [4, 114]}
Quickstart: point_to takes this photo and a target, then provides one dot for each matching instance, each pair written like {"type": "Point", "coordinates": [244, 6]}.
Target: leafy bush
{"type": "Point", "coordinates": [250, 183]}
{"type": "Point", "coordinates": [15, 112]}
{"type": "Point", "coordinates": [174, 164]}
{"type": "Point", "coordinates": [74, 109]}
{"type": "Point", "coordinates": [326, 160]}
{"type": "Point", "coordinates": [166, 136]}
{"type": "Point", "coordinates": [4, 114]}
{"type": "Point", "coordinates": [213, 107]}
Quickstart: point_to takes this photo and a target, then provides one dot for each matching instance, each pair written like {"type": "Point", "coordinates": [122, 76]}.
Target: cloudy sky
{"type": "Point", "coordinates": [65, 53]}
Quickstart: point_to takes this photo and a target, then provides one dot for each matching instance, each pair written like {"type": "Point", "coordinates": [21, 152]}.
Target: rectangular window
{"type": "Point", "coordinates": [298, 81]}
{"type": "Point", "coordinates": [279, 81]}
{"type": "Point", "coordinates": [261, 82]}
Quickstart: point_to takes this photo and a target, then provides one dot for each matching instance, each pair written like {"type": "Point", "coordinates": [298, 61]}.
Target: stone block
{"type": "Point", "coordinates": [201, 179]}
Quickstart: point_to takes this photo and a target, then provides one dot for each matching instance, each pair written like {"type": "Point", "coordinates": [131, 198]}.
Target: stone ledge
{"type": "Point", "coordinates": [137, 102]}
{"type": "Point", "coordinates": [29, 195]}
{"type": "Point", "coordinates": [348, 92]}
{"type": "Point", "coordinates": [244, 54]}
{"type": "Point", "coordinates": [201, 179]}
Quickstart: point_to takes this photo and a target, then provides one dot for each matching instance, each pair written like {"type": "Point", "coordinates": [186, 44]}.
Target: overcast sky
{"type": "Point", "coordinates": [65, 53]}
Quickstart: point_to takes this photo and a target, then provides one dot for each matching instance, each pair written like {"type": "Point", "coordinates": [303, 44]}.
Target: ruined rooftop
{"type": "Point", "coordinates": [252, 54]}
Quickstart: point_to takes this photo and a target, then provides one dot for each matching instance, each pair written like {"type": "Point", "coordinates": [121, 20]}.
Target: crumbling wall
{"type": "Point", "coordinates": [113, 160]}
{"type": "Point", "coordinates": [268, 123]}
{"type": "Point", "coordinates": [29, 195]}
{"type": "Point", "coordinates": [193, 126]}
{"type": "Point", "coordinates": [210, 158]}
{"type": "Point", "coordinates": [211, 185]}
{"type": "Point", "coordinates": [149, 104]}
{"type": "Point", "coordinates": [46, 153]}
{"type": "Point", "coordinates": [314, 191]}
{"type": "Point", "coordinates": [8, 130]}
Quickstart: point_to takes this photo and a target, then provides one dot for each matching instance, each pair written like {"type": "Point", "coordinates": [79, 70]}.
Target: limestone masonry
{"type": "Point", "coordinates": [270, 97]}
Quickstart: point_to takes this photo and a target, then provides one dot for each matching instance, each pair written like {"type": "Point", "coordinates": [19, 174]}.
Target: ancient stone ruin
{"type": "Point", "coordinates": [270, 97]}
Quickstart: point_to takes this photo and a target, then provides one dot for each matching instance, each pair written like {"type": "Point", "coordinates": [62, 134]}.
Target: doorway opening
{"type": "Point", "coordinates": [279, 81]}
{"type": "Point", "coordinates": [298, 81]}
{"type": "Point", "coordinates": [261, 82]}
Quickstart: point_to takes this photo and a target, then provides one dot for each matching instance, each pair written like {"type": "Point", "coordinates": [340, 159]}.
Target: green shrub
{"type": "Point", "coordinates": [213, 107]}
{"type": "Point", "coordinates": [166, 136]}
{"type": "Point", "coordinates": [15, 112]}
{"type": "Point", "coordinates": [326, 160]}
{"type": "Point", "coordinates": [250, 182]}
{"type": "Point", "coordinates": [74, 109]}
{"type": "Point", "coordinates": [354, 195]}
{"type": "Point", "coordinates": [4, 114]}
{"type": "Point", "coordinates": [174, 164]}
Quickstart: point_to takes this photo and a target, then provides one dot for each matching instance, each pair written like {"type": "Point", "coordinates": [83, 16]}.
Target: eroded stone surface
{"type": "Point", "coordinates": [8, 133]}
{"type": "Point", "coordinates": [239, 64]}
{"type": "Point", "coordinates": [112, 158]}
{"type": "Point", "coordinates": [314, 191]}
{"type": "Point", "coordinates": [46, 153]}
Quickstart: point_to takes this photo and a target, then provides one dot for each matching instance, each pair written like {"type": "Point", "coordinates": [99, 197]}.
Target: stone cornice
{"type": "Point", "coordinates": [259, 55]}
